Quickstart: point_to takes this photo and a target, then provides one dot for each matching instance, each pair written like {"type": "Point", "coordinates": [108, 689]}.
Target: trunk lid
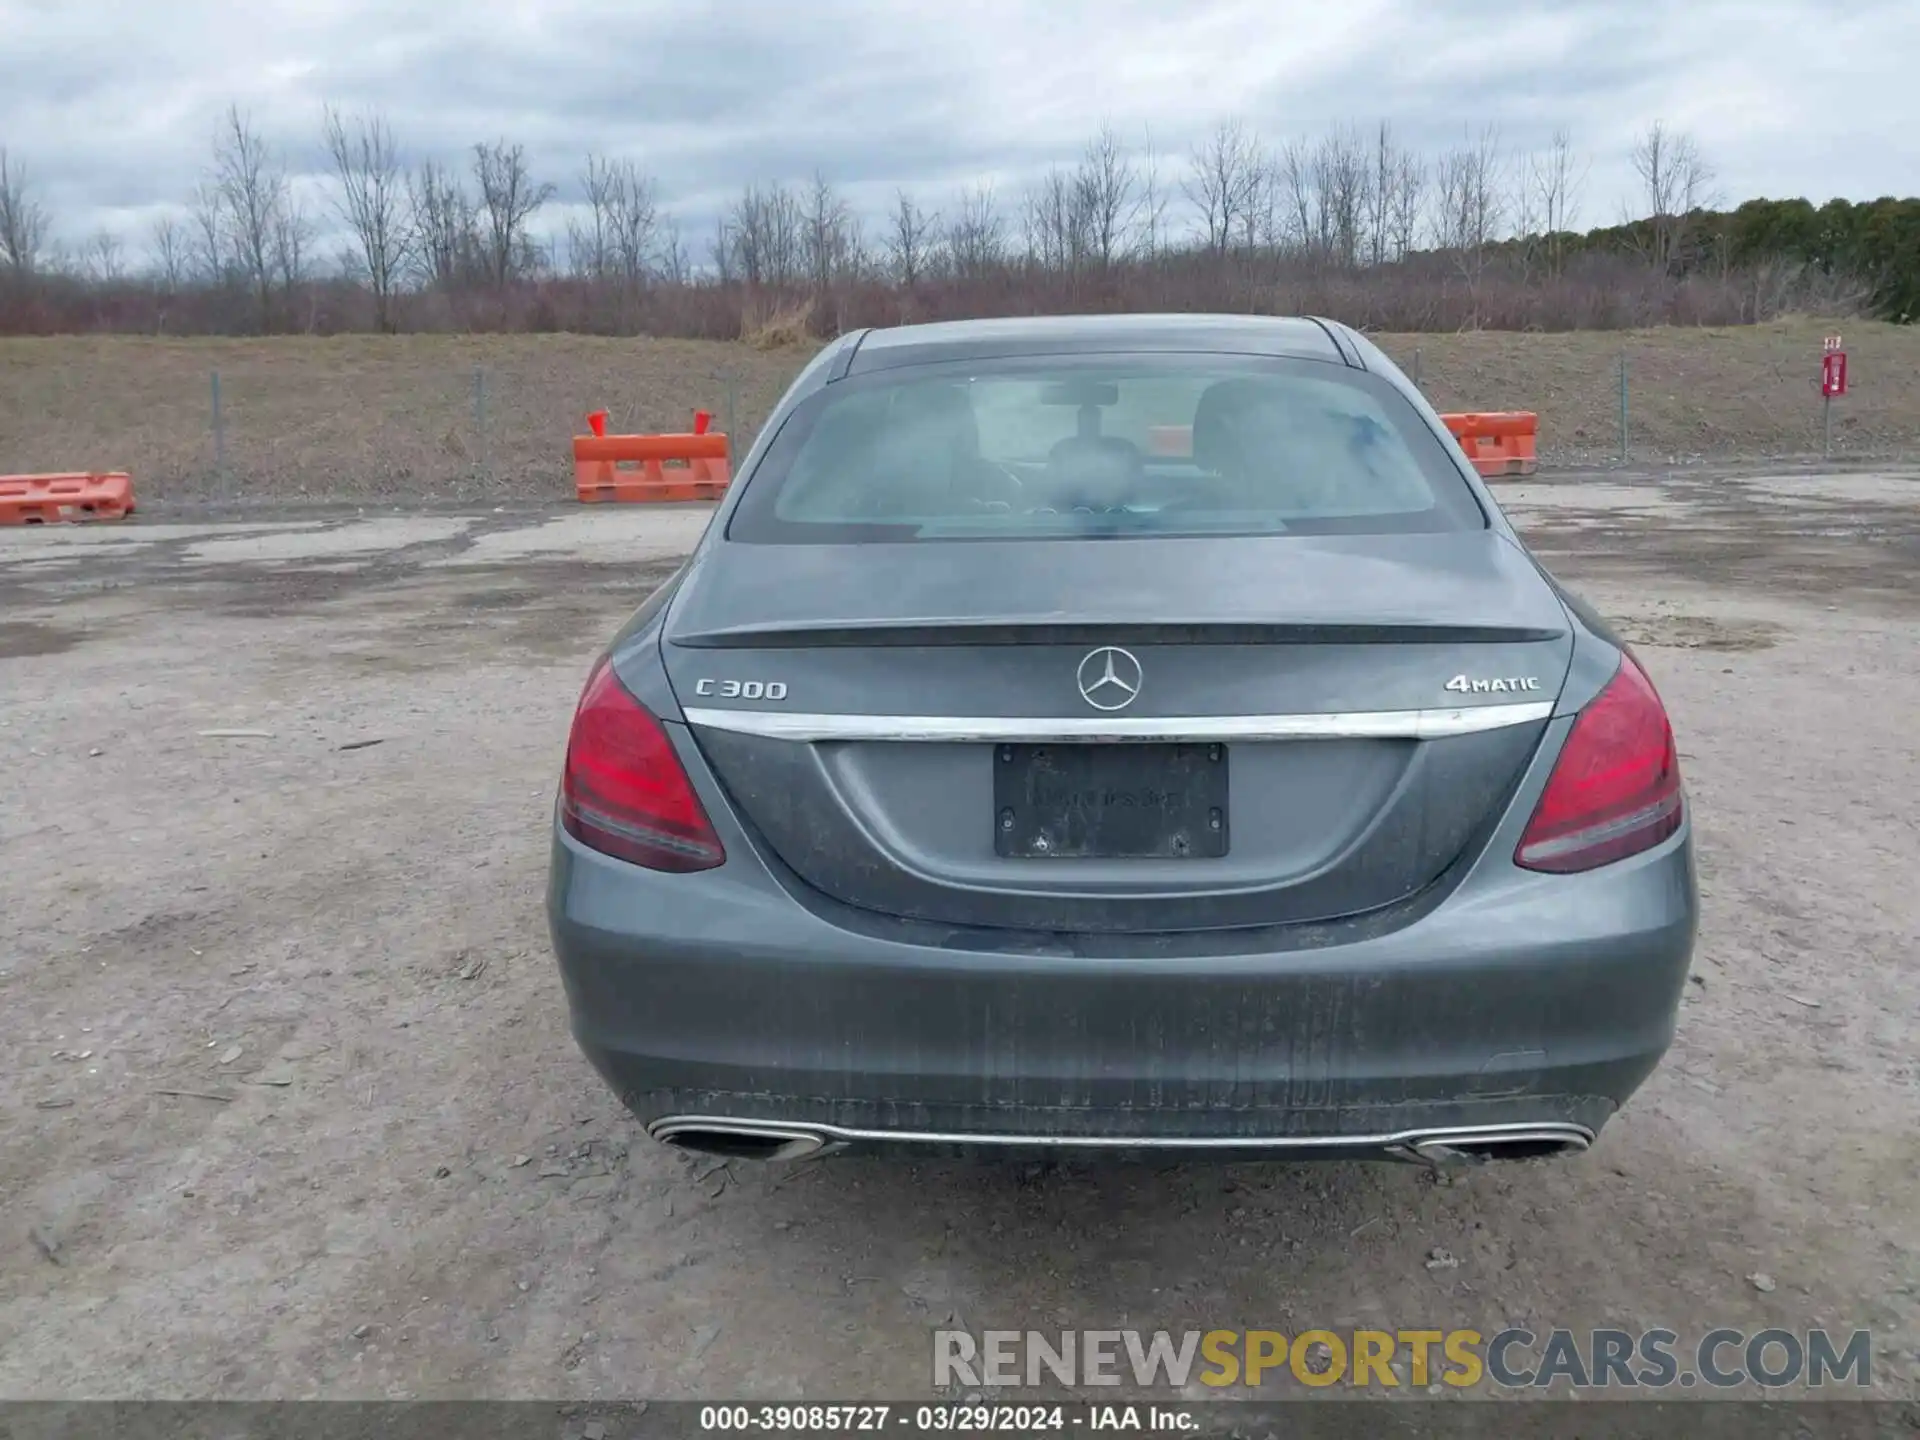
{"type": "Point", "coordinates": [1357, 692]}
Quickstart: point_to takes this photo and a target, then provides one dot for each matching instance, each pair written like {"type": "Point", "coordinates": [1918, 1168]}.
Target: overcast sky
{"type": "Point", "coordinates": [111, 103]}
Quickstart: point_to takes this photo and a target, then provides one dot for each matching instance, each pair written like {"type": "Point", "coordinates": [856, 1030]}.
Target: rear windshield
{"type": "Point", "coordinates": [1065, 446]}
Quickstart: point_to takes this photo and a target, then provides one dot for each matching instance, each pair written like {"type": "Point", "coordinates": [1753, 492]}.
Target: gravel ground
{"type": "Point", "coordinates": [291, 1109]}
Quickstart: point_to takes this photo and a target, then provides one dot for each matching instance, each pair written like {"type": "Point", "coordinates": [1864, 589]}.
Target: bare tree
{"type": "Point", "coordinates": [858, 260]}
{"type": "Point", "coordinates": [1545, 185]}
{"type": "Point", "coordinates": [635, 216]}
{"type": "Point", "coordinates": [373, 201]}
{"type": "Point", "coordinates": [724, 249]}
{"type": "Point", "coordinates": [253, 194]}
{"type": "Point", "coordinates": [825, 233]}
{"type": "Point", "coordinates": [676, 268]}
{"type": "Point", "coordinates": [1525, 210]}
{"type": "Point", "coordinates": [509, 199]}
{"type": "Point", "coordinates": [293, 234]}
{"type": "Point", "coordinates": [440, 213]}
{"type": "Point", "coordinates": [1341, 176]}
{"type": "Point", "coordinates": [1224, 183]}
{"type": "Point", "coordinates": [590, 245]}
{"type": "Point", "coordinates": [910, 240]}
{"type": "Point", "coordinates": [167, 243]}
{"type": "Point", "coordinates": [1675, 181]}
{"type": "Point", "coordinates": [1409, 202]}
{"type": "Point", "coordinates": [977, 234]}
{"type": "Point", "coordinates": [1392, 170]}
{"type": "Point", "coordinates": [1151, 222]}
{"type": "Point", "coordinates": [23, 220]}
{"type": "Point", "coordinates": [1260, 215]}
{"type": "Point", "coordinates": [1293, 197]}
{"type": "Point", "coordinates": [1105, 199]}
{"type": "Point", "coordinates": [1470, 203]}
{"type": "Point", "coordinates": [532, 259]}
{"type": "Point", "coordinates": [616, 242]}
{"type": "Point", "coordinates": [207, 239]}
{"type": "Point", "coordinates": [750, 236]}
{"type": "Point", "coordinates": [105, 259]}
{"type": "Point", "coordinates": [1052, 224]}
{"type": "Point", "coordinates": [766, 226]}
{"type": "Point", "coordinates": [1323, 192]}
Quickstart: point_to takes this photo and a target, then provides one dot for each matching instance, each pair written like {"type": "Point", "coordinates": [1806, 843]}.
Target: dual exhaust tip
{"type": "Point", "coordinates": [734, 1140]}
{"type": "Point", "coordinates": [780, 1141]}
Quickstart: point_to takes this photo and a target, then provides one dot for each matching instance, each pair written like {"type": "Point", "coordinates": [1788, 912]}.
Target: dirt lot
{"type": "Point", "coordinates": [291, 1109]}
{"type": "Point", "coordinates": [385, 418]}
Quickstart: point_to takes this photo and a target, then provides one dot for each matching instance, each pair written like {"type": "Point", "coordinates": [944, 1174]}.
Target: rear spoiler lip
{"type": "Point", "coordinates": [929, 632]}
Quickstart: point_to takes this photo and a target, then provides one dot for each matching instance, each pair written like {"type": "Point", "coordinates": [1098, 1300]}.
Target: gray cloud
{"type": "Point", "coordinates": [112, 103]}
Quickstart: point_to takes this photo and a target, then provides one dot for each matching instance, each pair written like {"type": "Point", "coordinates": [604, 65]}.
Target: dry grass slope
{"type": "Point", "coordinates": [395, 418]}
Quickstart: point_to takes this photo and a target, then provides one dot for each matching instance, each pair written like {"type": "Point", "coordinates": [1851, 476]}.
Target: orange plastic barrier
{"type": "Point", "coordinates": [1170, 442]}
{"type": "Point", "coordinates": [1498, 443]}
{"type": "Point", "coordinates": [631, 468]}
{"type": "Point", "coordinates": [46, 499]}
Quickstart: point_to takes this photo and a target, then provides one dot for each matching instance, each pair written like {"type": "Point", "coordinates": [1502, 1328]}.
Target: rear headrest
{"type": "Point", "coordinates": [939, 412]}
{"type": "Point", "coordinates": [1221, 404]}
{"type": "Point", "coordinates": [1094, 467]}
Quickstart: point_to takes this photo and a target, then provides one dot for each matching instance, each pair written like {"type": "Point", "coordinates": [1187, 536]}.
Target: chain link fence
{"type": "Point", "coordinates": [417, 419]}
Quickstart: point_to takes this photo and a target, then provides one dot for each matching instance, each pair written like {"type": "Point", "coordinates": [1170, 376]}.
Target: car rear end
{"type": "Point", "coordinates": [1139, 748]}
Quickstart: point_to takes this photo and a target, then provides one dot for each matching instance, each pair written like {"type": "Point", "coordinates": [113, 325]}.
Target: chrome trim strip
{"type": "Point", "coordinates": [1577, 1136]}
{"type": "Point", "coordinates": [1356, 725]}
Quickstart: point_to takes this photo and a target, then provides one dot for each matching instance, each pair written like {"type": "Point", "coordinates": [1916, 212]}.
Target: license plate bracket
{"type": "Point", "coordinates": [1117, 801]}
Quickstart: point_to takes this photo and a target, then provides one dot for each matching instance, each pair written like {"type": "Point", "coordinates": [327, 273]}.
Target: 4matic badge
{"type": "Point", "coordinates": [1492, 687]}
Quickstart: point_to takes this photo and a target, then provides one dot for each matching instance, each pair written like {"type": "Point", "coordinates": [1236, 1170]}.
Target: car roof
{"type": "Point", "coordinates": [1289, 336]}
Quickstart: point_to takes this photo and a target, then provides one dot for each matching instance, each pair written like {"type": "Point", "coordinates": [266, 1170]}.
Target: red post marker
{"type": "Point", "coordinates": [1833, 373]}
{"type": "Point", "coordinates": [1833, 381]}
{"type": "Point", "coordinates": [597, 422]}
{"type": "Point", "coordinates": [701, 420]}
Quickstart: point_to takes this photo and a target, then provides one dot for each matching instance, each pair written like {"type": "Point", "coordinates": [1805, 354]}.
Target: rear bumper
{"type": "Point", "coordinates": [1523, 999]}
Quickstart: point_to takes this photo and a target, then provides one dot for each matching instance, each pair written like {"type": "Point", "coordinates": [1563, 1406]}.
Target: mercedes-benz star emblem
{"type": "Point", "coordinates": [1109, 678]}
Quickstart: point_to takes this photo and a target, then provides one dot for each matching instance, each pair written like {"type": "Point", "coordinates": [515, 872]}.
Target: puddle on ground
{"type": "Point", "coordinates": [20, 639]}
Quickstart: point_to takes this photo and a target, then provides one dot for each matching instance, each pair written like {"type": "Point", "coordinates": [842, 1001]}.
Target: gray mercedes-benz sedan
{"type": "Point", "coordinates": [1138, 732]}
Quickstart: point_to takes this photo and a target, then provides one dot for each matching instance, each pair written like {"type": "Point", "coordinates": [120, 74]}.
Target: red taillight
{"type": "Point", "coordinates": [624, 791]}
{"type": "Point", "coordinates": [1615, 789]}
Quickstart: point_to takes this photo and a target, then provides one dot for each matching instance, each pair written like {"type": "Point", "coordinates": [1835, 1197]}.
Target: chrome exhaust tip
{"type": "Point", "coordinates": [739, 1139]}
{"type": "Point", "coordinates": [1498, 1142]}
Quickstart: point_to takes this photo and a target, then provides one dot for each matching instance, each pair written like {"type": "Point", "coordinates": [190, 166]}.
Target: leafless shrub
{"type": "Point", "coordinates": [768, 328]}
